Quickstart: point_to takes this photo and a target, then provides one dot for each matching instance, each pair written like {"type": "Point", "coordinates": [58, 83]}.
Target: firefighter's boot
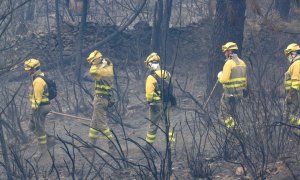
{"type": "Point", "coordinates": [150, 152]}
{"type": "Point", "coordinates": [112, 148]}
{"type": "Point", "coordinates": [51, 141]}
{"type": "Point", "coordinates": [42, 151]}
{"type": "Point", "coordinates": [93, 141]}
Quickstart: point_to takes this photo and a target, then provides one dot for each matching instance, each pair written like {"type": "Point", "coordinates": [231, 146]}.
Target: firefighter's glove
{"type": "Point", "coordinates": [151, 103]}
{"type": "Point", "coordinates": [288, 98]}
{"type": "Point", "coordinates": [104, 63]}
{"type": "Point", "coordinates": [34, 111]}
{"type": "Point", "coordinates": [111, 103]}
{"type": "Point", "coordinates": [219, 74]}
{"type": "Point", "coordinates": [232, 100]}
{"type": "Point", "coordinates": [173, 101]}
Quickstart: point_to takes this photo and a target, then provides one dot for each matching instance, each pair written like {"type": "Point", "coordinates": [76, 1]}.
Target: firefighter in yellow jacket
{"type": "Point", "coordinates": [292, 85]}
{"type": "Point", "coordinates": [102, 72]}
{"type": "Point", "coordinates": [40, 103]}
{"type": "Point", "coordinates": [234, 81]}
{"type": "Point", "coordinates": [159, 107]}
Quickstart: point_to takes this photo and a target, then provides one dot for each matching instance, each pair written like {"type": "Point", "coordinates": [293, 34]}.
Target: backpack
{"type": "Point", "coordinates": [52, 90]}
{"type": "Point", "coordinates": [166, 89]}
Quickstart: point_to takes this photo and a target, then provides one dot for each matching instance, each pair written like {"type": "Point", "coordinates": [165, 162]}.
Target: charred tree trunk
{"type": "Point", "coordinates": [283, 8]}
{"type": "Point", "coordinates": [5, 153]}
{"type": "Point", "coordinates": [165, 30]}
{"type": "Point", "coordinates": [80, 41]}
{"type": "Point", "coordinates": [59, 38]}
{"type": "Point", "coordinates": [160, 31]}
{"type": "Point", "coordinates": [297, 2]}
{"type": "Point", "coordinates": [67, 2]}
{"type": "Point", "coordinates": [156, 29]}
{"type": "Point", "coordinates": [228, 25]}
{"type": "Point", "coordinates": [79, 48]}
{"type": "Point", "coordinates": [29, 15]}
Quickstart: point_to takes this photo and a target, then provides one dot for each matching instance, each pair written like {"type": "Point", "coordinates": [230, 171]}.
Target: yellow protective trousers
{"type": "Point", "coordinates": [100, 119]}
{"type": "Point", "coordinates": [228, 108]}
{"type": "Point", "coordinates": [37, 122]}
{"type": "Point", "coordinates": [158, 113]}
{"type": "Point", "coordinates": [292, 110]}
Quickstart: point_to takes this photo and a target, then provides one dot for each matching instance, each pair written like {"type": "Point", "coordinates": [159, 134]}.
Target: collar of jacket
{"type": "Point", "coordinates": [234, 57]}
{"type": "Point", "coordinates": [37, 73]}
{"type": "Point", "coordinates": [295, 59]}
{"type": "Point", "coordinates": [154, 71]}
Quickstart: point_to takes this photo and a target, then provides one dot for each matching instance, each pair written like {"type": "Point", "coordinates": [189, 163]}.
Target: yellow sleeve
{"type": "Point", "coordinates": [98, 72]}
{"type": "Point", "coordinates": [38, 89]}
{"type": "Point", "coordinates": [150, 87]}
{"type": "Point", "coordinates": [93, 70]}
{"type": "Point", "coordinates": [295, 72]}
{"type": "Point", "coordinates": [226, 72]}
{"type": "Point", "coordinates": [295, 75]}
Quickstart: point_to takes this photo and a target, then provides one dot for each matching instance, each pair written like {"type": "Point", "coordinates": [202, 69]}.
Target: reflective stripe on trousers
{"type": "Point", "coordinates": [151, 137]}
{"type": "Point", "coordinates": [228, 108]}
{"type": "Point", "coordinates": [99, 119]}
{"type": "Point", "coordinates": [230, 122]}
{"type": "Point", "coordinates": [43, 139]}
{"type": "Point", "coordinates": [156, 115]}
{"type": "Point", "coordinates": [94, 134]}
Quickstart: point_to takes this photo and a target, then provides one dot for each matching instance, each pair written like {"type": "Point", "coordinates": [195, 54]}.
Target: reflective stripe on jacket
{"type": "Point", "coordinates": [152, 91]}
{"type": "Point", "coordinates": [292, 76]}
{"type": "Point", "coordinates": [39, 91]}
{"type": "Point", "coordinates": [234, 76]}
{"type": "Point", "coordinates": [103, 87]}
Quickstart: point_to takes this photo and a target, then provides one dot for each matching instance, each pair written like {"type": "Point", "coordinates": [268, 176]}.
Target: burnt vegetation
{"type": "Point", "coordinates": [188, 35]}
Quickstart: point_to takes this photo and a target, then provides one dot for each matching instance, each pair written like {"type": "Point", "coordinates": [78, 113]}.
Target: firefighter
{"type": "Point", "coordinates": [102, 72]}
{"type": "Point", "coordinates": [292, 85]}
{"type": "Point", "coordinates": [234, 81]}
{"type": "Point", "coordinates": [159, 105]}
{"type": "Point", "coordinates": [40, 104]}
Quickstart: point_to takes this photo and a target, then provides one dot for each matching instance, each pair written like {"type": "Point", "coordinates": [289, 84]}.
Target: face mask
{"type": "Point", "coordinates": [154, 66]}
{"type": "Point", "coordinates": [291, 57]}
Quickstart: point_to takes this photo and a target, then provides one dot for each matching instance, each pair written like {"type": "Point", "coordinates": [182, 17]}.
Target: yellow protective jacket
{"type": "Point", "coordinates": [39, 91]}
{"type": "Point", "coordinates": [103, 77]}
{"type": "Point", "coordinates": [292, 76]}
{"type": "Point", "coordinates": [151, 85]}
{"type": "Point", "coordinates": [234, 76]}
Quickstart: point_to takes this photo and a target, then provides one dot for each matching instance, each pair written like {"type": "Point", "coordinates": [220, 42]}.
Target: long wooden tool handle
{"type": "Point", "coordinates": [210, 94]}
{"type": "Point", "coordinates": [70, 116]}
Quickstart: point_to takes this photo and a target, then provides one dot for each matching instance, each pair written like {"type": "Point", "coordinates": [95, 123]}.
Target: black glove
{"type": "Point", "coordinates": [245, 93]}
{"type": "Point", "coordinates": [288, 98]}
{"type": "Point", "coordinates": [111, 103]}
{"type": "Point", "coordinates": [173, 101]}
{"type": "Point", "coordinates": [291, 94]}
{"type": "Point", "coordinates": [150, 103]}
